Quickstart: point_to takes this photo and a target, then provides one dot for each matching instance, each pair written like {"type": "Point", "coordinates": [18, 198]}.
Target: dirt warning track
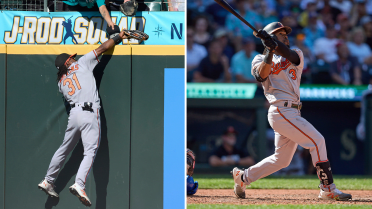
{"type": "Point", "coordinates": [273, 196]}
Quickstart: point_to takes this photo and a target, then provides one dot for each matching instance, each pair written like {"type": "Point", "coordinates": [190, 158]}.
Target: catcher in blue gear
{"type": "Point", "coordinates": [192, 186]}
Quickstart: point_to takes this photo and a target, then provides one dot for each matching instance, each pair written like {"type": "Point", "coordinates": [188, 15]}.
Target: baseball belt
{"type": "Point", "coordinates": [296, 106]}
{"type": "Point", "coordinates": [84, 105]}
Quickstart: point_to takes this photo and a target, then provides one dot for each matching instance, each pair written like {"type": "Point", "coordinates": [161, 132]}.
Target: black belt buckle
{"type": "Point", "coordinates": [88, 106]}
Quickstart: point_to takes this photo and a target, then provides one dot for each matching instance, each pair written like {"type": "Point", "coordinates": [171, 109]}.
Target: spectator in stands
{"type": "Point", "coordinates": [312, 32]}
{"type": "Point", "coordinates": [199, 5]}
{"type": "Point", "coordinates": [237, 28]}
{"type": "Point", "coordinates": [325, 47]}
{"type": "Point", "coordinates": [176, 5]}
{"type": "Point", "coordinates": [266, 15]}
{"type": "Point", "coordinates": [369, 7]}
{"type": "Point", "coordinates": [358, 48]}
{"type": "Point", "coordinates": [218, 14]}
{"type": "Point", "coordinates": [290, 21]}
{"type": "Point", "coordinates": [319, 4]}
{"type": "Point", "coordinates": [214, 67]}
{"type": "Point", "coordinates": [358, 12]}
{"type": "Point", "coordinates": [83, 5]}
{"type": "Point", "coordinates": [304, 16]}
{"type": "Point", "coordinates": [343, 5]}
{"type": "Point", "coordinates": [241, 63]}
{"type": "Point", "coordinates": [328, 13]}
{"type": "Point", "coordinates": [308, 57]}
{"type": "Point", "coordinates": [367, 26]}
{"type": "Point", "coordinates": [201, 35]}
{"type": "Point", "coordinates": [282, 8]}
{"type": "Point", "coordinates": [343, 27]}
{"type": "Point", "coordinates": [346, 69]}
{"type": "Point", "coordinates": [228, 154]}
{"type": "Point", "coordinates": [195, 53]}
{"type": "Point", "coordinates": [221, 35]}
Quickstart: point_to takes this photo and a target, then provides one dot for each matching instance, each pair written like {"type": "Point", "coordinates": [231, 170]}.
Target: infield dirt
{"type": "Point", "coordinates": [273, 196]}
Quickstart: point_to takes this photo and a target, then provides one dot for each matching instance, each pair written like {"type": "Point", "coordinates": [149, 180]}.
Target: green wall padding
{"type": "Point", "coordinates": [147, 128]}
{"type": "Point", "coordinates": [2, 126]}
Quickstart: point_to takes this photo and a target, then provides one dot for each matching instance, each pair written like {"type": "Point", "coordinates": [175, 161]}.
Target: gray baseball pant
{"type": "Point", "coordinates": [87, 126]}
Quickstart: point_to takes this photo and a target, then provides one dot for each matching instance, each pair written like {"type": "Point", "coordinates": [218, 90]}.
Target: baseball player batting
{"type": "Point", "coordinates": [78, 85]}
{"type": "Point", "coordinates": [279, 70]}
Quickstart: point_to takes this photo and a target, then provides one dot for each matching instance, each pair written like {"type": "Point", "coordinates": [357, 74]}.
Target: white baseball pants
{"type": "Point", "coordinates": [290, 130]}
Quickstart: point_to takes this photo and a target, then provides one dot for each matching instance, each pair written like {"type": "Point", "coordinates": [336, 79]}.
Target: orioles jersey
{"type": "Point", "coordinates": [283, 82]}
{"type": "Point", "coordinates": [79, 85]}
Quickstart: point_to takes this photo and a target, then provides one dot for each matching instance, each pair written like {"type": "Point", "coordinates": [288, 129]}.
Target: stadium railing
{"type": "Point", "coordinates": [42, 5]}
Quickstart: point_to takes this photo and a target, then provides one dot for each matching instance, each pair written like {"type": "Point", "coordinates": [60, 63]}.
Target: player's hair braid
{"type": "Point", "coordinates": [61, 71]}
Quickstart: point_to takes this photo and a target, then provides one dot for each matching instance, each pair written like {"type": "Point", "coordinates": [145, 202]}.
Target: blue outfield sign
{"type": "Point", "coordinates": [164, 28]}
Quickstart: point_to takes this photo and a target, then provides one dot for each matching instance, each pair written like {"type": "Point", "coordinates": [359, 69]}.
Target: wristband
{"type": "Point", "coordinates": [117, 39]}
{"type": "Point", "coordinates": [269, 57]}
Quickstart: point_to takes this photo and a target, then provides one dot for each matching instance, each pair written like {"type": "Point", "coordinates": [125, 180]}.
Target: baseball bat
{"type": "Point", "coordinates": [227, 6]}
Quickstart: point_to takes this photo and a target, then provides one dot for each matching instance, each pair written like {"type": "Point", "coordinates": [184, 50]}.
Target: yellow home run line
{"type": "Point", "coordinates": [2, 49]}
{"type": "Point", "coordinates": [157, 50]}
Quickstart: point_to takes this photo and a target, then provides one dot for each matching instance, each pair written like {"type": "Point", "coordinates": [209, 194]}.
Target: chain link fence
{"type": "Point", "coordinates": [58, 6]}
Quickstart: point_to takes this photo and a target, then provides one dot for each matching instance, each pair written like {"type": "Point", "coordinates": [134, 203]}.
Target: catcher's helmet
{"type": "Point", "coordinates": [275, 26]}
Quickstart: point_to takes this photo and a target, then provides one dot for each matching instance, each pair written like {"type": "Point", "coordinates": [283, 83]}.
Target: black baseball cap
{"type": "Point", "coordinates": [62, 59]}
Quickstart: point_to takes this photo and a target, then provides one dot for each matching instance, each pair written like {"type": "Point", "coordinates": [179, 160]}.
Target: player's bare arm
{"type": "Point", "coordinates": [106, 15]}
{"type": "Point", "coordinates": [110, 43]}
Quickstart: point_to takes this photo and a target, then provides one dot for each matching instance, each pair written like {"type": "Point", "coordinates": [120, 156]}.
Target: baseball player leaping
{"type": "Point", "coordinates": [279, 70]}
{"type": "Point", "coordinates": [78, 85]}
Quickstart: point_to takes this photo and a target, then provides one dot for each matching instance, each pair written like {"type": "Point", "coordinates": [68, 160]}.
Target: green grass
{"type": "Point", "coordinates": [224, 206]}
{"type": "Point", "coordinates": [277, 182]}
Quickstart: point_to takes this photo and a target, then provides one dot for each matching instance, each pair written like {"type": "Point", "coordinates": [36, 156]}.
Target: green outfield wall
{"type": "Point", "coordinates": [147, 121]}
{"type": "Point", "coordinates": [33, 118]}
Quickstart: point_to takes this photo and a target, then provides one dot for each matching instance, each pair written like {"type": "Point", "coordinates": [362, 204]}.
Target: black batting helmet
{"type": "Point", "coordinates": [275, 26]}
{"type": "Point", "coordinates": [272, 28]}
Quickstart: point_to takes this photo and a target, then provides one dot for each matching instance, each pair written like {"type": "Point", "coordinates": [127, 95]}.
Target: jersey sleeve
{"type": "Point", "coordinates": [100, 3]}
{"type": "Point", "coordinates": [89, 60]}
{"type": "Point", "coordinates": [301, 55]}
{"type": "Point", "coordinates": [256, 62]}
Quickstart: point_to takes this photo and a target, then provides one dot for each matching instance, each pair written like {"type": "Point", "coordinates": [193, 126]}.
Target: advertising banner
{"type": "Point", "coordinates": [20, 27]}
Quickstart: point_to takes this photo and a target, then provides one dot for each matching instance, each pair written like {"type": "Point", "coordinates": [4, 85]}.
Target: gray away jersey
{"type": "Point", "coordinates": [80, 85]}
{"type": "Point", "coordinates": [283, 82]}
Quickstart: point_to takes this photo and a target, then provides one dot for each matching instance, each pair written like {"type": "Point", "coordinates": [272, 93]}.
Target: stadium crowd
{"type": "Point", "coordinates": [334, 35]}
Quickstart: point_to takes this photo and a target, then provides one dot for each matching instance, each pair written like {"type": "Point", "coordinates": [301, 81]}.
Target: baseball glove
{"type": "Point", "coordinates": [190, 162]}
{"type": "Point", "coordinates": [129, 8]}
{"type": "Point", "coordinates": [136, 34]}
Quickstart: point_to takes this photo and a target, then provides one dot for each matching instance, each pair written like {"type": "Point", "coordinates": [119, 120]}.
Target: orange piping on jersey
{"type": "Point", "coordinates": [322, 161]}
{"type": "Point", "coordinates": [94, 51]}
{"type": "Point", "coordinates": [301, 132]}
{"type": "Point", "coordinates": [99, 137]}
